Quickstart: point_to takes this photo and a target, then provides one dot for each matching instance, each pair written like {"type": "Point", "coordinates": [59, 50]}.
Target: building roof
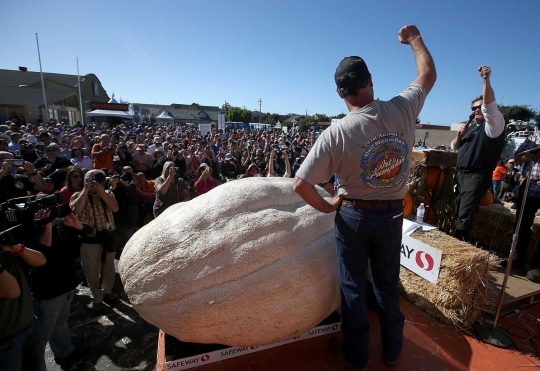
{"type": "Point", "coordinates": [16, 78]}
{"type": "Point", "coordinates": [183, 111]}
{"type": "Point", "coordinates": [30, 97]}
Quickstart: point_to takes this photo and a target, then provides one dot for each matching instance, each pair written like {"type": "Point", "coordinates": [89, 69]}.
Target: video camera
{"type": "Point", "coordinates": [22, 210]}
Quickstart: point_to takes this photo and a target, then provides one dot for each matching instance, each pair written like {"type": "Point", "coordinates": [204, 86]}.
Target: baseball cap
{"type": "Point", "coordinates": [351, 64]}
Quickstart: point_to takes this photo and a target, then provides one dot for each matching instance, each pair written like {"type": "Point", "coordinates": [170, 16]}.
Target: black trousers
{"type": "Point", "coordinates": [472, 186]}
{"type": "Point", "coordinates": [531, 207]}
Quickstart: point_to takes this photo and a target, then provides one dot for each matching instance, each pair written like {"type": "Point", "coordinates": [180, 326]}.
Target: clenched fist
{"type": "Point", "coordinates": [408, 33]}
{"type": "Point", "coordinates": [485, 72]}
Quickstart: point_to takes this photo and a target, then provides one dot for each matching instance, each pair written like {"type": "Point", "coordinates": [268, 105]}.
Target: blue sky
{"type": "Point", "coordinates": [284, 52]}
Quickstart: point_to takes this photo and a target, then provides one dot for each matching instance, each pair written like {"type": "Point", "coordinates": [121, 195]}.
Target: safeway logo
{"type": "Point", "coordinates": [334, 327]}
{"type": "Point", "coordinates": [252, 348]}
{"type": "Point", "coordinates": [424, 260]}
{"type": "Point", "coordinates": [205, 358]}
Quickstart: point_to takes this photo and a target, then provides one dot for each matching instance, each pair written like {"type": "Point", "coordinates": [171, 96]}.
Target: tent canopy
{"type": "Point", "coordinates": [165, 116]}
{"type": "Point", "coordinates": [100, 112]}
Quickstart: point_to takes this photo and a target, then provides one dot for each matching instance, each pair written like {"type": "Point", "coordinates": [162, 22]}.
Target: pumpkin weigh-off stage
{"type": "Point", "coordinates": [249, 263]}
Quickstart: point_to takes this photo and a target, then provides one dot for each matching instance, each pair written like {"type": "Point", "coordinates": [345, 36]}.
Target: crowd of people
{"type": "Point", "coordinates": [115, 179]}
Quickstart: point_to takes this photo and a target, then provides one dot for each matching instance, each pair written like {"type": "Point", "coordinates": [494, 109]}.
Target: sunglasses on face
{"type": "Point", "coordinates": [75, 176]}
{"type": "Point", "coordinates": [50, 150]}
{"type": "Point", "coordinates": [474, 108]}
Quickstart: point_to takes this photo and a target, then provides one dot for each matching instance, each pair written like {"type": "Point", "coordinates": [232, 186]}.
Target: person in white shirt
{"type": "Point", "coordinates": [479, 146]}
{"type": "Point", "coordinates": [156, 146]}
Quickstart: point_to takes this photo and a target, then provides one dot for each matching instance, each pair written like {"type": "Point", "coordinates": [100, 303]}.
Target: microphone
{"type": "Point", "coordinates": [471, 117]}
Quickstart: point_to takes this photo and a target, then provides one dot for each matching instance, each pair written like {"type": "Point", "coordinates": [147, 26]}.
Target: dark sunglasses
{"type": "Point", "coordinates": [75, 176]}
{"type": "Point", "coordinates": [50, 149]}
{"type": "Point", "coordinates": [474, 108]}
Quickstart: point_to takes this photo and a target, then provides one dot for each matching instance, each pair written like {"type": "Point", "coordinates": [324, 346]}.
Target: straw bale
{"type": "Point", "coordinates": [461, 292]}
{"type": "Point", "coordinates": [495, 226]}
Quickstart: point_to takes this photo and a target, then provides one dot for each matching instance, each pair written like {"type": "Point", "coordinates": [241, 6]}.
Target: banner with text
{"type": "Point", "coordinates": [420, 258]}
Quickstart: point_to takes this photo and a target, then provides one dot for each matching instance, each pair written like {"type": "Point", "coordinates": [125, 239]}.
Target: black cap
{"type": "Point", "coordinates": [351, 64]}
{"type": "Point", "coordinates": [126, 177]}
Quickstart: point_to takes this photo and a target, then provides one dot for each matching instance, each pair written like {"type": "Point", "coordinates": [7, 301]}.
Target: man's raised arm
{"type": "Point", "coordinates": [427, 75]}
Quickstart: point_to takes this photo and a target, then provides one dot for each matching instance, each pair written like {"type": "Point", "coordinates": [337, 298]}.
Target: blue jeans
{"type": "Point", "coordinates": [374, 235]}
{"type": "Point", "coordinates": [496, 185]}
{"type": "Point", "coordinates": [23, 351]}
{"type": "Point", "coordinates": [53, 315]}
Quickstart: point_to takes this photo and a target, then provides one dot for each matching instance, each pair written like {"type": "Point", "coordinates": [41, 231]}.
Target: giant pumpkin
{"type": "Point", "coordinates": [248, 263]}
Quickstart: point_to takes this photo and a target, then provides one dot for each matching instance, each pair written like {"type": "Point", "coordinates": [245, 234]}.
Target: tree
{"type": "Point", "coordinates": [303, 124]}
{"type": "Point", "coordinates": [517, 113]}
{"type": "Point", "coordinates": [321, 117]}
{"type": "Point", "coordinates": [237, 114]}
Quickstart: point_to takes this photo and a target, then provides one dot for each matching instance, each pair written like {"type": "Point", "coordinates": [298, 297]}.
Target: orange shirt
{"type": "Point", "coordinates": [103, 161]}
{"type": "Point", "coordinates": [499, 172]}
{"type": "Point", "coordinates": [147, 187]}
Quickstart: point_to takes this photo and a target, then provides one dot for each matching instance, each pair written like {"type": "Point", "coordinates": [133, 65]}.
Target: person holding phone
{"type": "Point", "coordinates": [18, 185]}
{"type": "Point", "coordinates": [170, 189]}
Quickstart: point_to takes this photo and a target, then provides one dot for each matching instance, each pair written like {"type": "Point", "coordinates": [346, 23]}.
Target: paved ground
{"type": "Point", "coordinates": [113, 339]}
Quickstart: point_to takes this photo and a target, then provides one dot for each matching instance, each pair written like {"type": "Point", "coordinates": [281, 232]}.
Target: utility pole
{"type": "Point", "coordinates": [260, 110]}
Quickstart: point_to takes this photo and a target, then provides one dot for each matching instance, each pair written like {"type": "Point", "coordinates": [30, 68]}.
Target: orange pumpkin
{"type": "Point", "coordinates": [430, 216]}
{"type": "Point", "coordinates": [487, 199]}
{"type": "Point", "coordinates": [432, 176]}
{"type": "Point", "coordinates": [426, 196]}
{"type": "Point", "coordinates": [407, 209]}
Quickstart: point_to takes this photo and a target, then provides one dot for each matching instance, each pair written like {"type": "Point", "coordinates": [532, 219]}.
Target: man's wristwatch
{"type": "Point", "coordinates": [34, 173]}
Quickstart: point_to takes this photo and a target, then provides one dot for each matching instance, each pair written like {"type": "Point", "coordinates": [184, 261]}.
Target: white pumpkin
{"type": "Point", "coordinates": [249, 263]}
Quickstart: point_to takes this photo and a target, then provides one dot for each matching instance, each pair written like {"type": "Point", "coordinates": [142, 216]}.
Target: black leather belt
{"type": "Point", "coordinates": [372, 204]}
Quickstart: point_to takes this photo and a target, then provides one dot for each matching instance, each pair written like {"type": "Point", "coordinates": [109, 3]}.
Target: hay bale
{"type": "Point", "coordinates": [461, 292]}
{"type": "Point", "coordinates": [495, 226]}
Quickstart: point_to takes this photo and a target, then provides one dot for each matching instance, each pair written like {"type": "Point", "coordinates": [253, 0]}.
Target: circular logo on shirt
{"type": "Point", "coordinates": [384, 162]}
{"type": "Point", "coordinates": [19, 185]}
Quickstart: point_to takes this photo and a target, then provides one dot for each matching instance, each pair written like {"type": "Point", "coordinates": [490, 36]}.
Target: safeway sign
{"type": "Point", "coordinates": [420, 258]}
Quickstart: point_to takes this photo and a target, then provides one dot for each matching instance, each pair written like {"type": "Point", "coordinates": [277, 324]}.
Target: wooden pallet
{"type": "Point", "coordinates": [520, 292]}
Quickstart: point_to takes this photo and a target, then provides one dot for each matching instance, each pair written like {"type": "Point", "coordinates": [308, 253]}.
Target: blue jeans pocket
{"type": "Point", "coordinates": [346, 224]}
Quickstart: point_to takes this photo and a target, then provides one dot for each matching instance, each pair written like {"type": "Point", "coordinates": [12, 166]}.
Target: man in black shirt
{"type": "Point", "coordinates": [53, 285]}
{"type": "Point", "coordinates": [54, 165]}
{"type": "Point", "coordinates": [479, 147]}
{"type": "Point", "coordinates": [17, 185]}
{"type": "Point", "coordinates": [21, 335]}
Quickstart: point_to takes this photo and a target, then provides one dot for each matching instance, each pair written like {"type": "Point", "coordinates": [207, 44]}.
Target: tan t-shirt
{"type": "Point", "coordinates": [370, 149]}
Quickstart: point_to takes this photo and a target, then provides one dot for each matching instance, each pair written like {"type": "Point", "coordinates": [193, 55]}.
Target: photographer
{"type": "Point", "coordinates": [102, 153]}
{"type": "Point", "coordinates": [54, 165]}
{"type": "Point", "coordinates": [53, 285]}
{"type": "Point", "coordinates": [95, 206]}
{"type": "Point", "coordinates": [276, 160]}
{"type": "Point", "coordinates": [12, 186]}
{"type": "Point", "coordinates": [179, 163]}
{"type": "Point", "coordinates": [229, 167]}
{"type": "Point", "coordinates": [21, 335]}
{"type": "Point", "coordinates": [170, 189]}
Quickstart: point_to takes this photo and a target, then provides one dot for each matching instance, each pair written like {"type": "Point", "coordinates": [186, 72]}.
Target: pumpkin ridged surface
{"type": "Point", "coordinates": [248, 263]}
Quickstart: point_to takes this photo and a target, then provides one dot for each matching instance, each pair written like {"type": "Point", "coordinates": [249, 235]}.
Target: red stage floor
{"type": "Point", "coordinates": [428, 346]}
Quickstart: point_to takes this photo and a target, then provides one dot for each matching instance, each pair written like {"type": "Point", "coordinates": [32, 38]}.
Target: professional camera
{"type": "Point", "coordinates": [14, 235]}
{"type": "Point", "coordinates": [22, 210]}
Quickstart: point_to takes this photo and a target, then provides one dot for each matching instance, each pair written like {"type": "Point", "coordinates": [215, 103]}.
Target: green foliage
{"type": "Point", "coordinates": [321, 117]}
{"type": "Point", "coordinates": [237, 114]}
{"type": "Point", "coordinates": [518, 113]}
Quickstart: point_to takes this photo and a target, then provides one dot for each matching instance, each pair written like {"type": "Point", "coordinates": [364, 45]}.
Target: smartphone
{"type": "Point", "coordinates": [18, 162]}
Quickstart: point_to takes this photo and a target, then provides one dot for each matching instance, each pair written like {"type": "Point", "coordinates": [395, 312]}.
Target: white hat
{"type": "Point", "coordinates": [157, 139]}
{"type": "Point", "coordinates": [31, 139]}
{"type": "Point", "coordinates": [228, 156]}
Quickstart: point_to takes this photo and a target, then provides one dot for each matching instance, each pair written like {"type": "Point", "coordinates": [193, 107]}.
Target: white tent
{"type": "Point", "coordinates": [164, 116]}
{"type": "Point", "coordinates": [101, 112]}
